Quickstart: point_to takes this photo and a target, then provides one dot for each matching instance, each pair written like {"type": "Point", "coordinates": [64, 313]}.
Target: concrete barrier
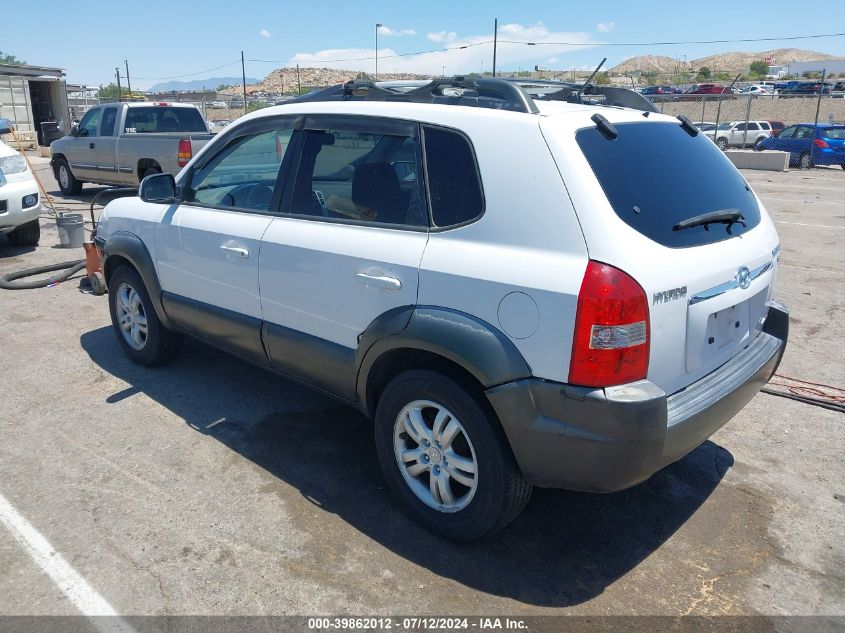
{"type": "Point", "coordinates": [768, 160]}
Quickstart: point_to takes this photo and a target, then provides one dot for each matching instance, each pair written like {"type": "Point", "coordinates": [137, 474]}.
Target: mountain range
{"type": "Point", "coordinates": [732, 61]}
{"type": "Point", "coordinates": [198, 84]}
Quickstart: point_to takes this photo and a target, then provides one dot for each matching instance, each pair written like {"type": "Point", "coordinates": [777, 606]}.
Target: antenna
{"type": "Point", "coordinates": [589, 79]}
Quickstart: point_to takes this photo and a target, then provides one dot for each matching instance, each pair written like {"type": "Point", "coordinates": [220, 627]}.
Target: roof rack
{"type": "Point", "coordinates": [517, 95]}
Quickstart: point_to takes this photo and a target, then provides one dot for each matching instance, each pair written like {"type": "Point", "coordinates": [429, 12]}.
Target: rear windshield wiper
{"type": "Point", "coordinates": [724, 216]}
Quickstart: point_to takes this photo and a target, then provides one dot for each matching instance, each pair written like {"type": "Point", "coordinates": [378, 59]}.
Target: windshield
{"type": "Point", "coordinates": [725, 126]}
{"type": "Point", "coordinates": [656, 175]}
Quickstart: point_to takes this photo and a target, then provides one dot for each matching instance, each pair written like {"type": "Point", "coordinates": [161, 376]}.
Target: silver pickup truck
{"type": "Point", "coordinates": [121, 143]}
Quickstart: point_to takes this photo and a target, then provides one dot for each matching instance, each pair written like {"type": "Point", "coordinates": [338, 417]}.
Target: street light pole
{"type": "Point", "coordinates": [378, 26]}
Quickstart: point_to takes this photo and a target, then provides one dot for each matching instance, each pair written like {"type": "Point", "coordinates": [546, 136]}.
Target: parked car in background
{"type": "Point", "coordinates": [740, 133]}
{"type": "Point", "coordinates": [702, 90]}
{"type": "Point", "coordinates": [20, 204]}
{"type": "Point", "coordinates": [705, 126]}
{"type": "Point", "coordinates": [806, 88]}
{"type": "Point", "coordinates": [809, 144]}
{"type": "Point", "coordinates": [756, 90]}
{"type": "Point", "coordinates": [777, 126]}
{"type": "Point", "coordinates": [121, 143]}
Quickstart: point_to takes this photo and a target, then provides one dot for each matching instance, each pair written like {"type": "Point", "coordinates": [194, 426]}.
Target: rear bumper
{"type": "Point", "coordinates": [609, 439]}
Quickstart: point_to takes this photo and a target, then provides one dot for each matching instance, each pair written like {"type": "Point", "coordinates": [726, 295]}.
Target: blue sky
{"type": "Point", "coordinates": [164, 39]}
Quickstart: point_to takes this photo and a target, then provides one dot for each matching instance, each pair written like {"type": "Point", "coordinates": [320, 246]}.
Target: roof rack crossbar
{"type": "Point", "coordinates": [485, 92]}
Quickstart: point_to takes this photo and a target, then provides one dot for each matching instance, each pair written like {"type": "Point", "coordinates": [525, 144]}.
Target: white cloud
{"type": "Point", "coordinates": [457, 60]}
{"type": "Point", "coordinates": [605, 27]}
{"type": "Point", "coordinates": [264, 33]}
{"type": "Point", "coordinates": [553, 60]}
{"type": "Point", "coordinates": [442, 36]}
{"type": "Point", "coordinates": [389, 32]}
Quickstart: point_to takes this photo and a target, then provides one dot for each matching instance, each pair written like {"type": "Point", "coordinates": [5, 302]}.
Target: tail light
{"type": "Point", "coordinates": [611, 344]}
{"type": "Point", "coordinates": [184, 152]}
{"type": "Point", "coordinates": [820, 143]}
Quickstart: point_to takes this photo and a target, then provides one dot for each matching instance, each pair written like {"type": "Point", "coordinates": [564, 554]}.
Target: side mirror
{"type": "Point", "coordinates": [74, 130]}
{"type": "Point", "coordinates": [158, 188]}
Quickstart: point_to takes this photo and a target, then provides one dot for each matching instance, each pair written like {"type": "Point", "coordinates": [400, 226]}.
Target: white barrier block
{"type": "Point", "coordinates": [769, 160]}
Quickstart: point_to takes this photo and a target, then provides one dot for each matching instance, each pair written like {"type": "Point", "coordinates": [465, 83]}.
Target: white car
{"type": "Point", "coordinates": [532, 293]}
{"type": "Point", "coordinates": [20, 204]}
{"type": "Point", "coordinates": [756, 90]}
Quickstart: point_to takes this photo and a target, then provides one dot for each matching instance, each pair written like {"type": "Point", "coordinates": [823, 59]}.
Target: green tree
{"type": "Point", "coordinates": [6, 58]}
{"type": "Point", "coordinates": [759, 67]}
{"type": "Point", "coordinates": [602, 79]}
{"type": "Point", "coordinates": [110, 92]}
{"type": "Point", "coordinates": [222, 87]}
{"type": "Point", "coordinates": [703, 74]}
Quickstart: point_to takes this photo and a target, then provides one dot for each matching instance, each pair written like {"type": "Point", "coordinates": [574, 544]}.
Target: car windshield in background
{"type": "Point", "coordinates": [163, 119]}
{"type": "Point", "coordinates": [656, 175]}
{"type": "Point", "coordinates": [834, 132]}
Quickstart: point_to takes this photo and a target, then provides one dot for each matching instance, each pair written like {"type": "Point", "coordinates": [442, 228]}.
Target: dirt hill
{"type": "Point", "coordinates": [732, 61]}
{"type": "Point", "coordinates": [284, 80]}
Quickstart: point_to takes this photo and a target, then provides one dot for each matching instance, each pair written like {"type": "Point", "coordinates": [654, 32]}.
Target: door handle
{"type": "Point", "coordinates": [90, 146]}
{"type": "Point", "coordinates": [379, 281]}
{"type": "Point", "coordinates": [235, 250]}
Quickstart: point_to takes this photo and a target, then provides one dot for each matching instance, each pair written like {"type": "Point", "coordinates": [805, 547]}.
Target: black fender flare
{"type": "Point", "coordinates": [475, 345]}
{"type": "Point", "coordinates": [132, 248]}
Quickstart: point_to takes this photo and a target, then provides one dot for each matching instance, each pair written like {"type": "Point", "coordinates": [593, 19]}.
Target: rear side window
{"type": "Point", "coordinates": [834, 132]}
{"type": "Point", "coordinates": [163, 119]}
{"type": "Point", "coordinates": [655, 175]}
{"type": "Point", "coordinates": [107, 126]}
{"type": "Point", "coordinates": [453, 181]}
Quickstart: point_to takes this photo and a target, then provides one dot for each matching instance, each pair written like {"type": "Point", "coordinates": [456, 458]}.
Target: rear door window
{"type": "Point", "coordinates": [107, 126]}
{"type": "Point", "coordinates": [837, 133]}
{"type": "Point", "coordinates": [360, 170]}
{"type": "Point", "coordinates": [655, 175]}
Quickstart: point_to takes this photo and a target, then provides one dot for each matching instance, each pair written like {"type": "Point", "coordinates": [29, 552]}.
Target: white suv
{"type": "Point", "coordinates": [539, 293]}
{"type": "Point", "coordinates": [740, 133]}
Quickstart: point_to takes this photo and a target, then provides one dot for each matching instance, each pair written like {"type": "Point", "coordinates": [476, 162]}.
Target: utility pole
{"type": "Point", "coordinates": [128, 85]}
{"type": "Point", "coordinates": [243, 78]}
{"type": "Point", "coordinates": [495, 42]}
{"type": "Point", "coordinates": [117, 74]}
{"type": "Point", "coordinates": [378, 26]}
{"type": "Point", "coordinates": [821, 90]}
{"type": "Point", "coordinates": [298, 84]}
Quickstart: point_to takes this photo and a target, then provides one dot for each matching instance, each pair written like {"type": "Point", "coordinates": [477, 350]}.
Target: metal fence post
{"type": "Point", "coordinates": [821, 90]}
{"type": "Point", "coordinates": [747, 117]}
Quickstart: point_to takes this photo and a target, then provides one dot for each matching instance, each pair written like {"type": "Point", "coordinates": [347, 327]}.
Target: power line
{"type": "Point", "coordinates": [199, 72]}
{"type": "Point", "coordinates": [748, 39]}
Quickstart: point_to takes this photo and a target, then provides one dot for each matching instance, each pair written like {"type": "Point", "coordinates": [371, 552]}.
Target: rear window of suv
{"type": "Point", "coordinates": [656, 175]}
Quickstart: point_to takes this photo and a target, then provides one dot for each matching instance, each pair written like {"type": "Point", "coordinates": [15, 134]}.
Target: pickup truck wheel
{"type": "Point", "coordinates": [26, 234]}
{"type": "Point", "coordinates": [150, 171]}
{"type": "Point", "coordinates": [142, 336]}
{"type": "Point", "coordinates": [805, 161]}
{"type": "Point", "coordinates": [67, 181]}
{"type": "Point", "coordinates": [722, 144]}
{"type": "Point", "coordinates": [445, 458]}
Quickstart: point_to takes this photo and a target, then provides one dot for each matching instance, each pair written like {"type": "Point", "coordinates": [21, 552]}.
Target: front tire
{"type": "Point", "coordinates": [27, 234]}
{"type": "Point", "coordinates": [722, 144]}
{"type": "Point", "coordinates": [139, 332]}
{"type": "Point", "coordinates": [68, 183]}
{"type": "Point", "coordinates": [445, 458]}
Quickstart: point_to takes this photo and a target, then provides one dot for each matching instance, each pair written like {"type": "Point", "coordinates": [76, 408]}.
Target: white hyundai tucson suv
{"type": "Point", "coordinates": [555, 291]}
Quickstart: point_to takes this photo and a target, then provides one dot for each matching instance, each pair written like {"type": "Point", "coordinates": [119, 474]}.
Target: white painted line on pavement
{"type": "Point", "coordinates": [818, 226]}
{"type": "Point", "coordinates": [65, 577]}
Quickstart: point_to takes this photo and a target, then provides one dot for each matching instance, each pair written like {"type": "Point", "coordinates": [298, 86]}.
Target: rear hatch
{"type": "Point", "coordinates": [834, 138]}
{"type": "Point", "coordinates": [707, 284]}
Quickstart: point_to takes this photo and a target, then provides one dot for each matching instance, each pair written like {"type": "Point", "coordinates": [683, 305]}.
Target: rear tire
{"type": "Point", "coordinates": [68, 183]}
{"type": "Point", "coordinates": [722, 144]}
{"type": "Point", "coordinates": [149, 171]}
{"type": "Point", "coordinates": [139, 332]}
{"type": "Point", "coordinates": [26, 234]}
{"type": "Point", "coordinates": [805, 161]}
{"type": "Point", "coordinates": [480, 490]}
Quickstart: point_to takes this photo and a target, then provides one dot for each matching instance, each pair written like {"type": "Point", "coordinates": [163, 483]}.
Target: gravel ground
{"type": "Point", "coordinates": [211, 487]}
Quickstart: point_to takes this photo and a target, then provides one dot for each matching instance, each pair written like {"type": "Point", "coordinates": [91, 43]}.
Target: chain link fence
{"type": "Point", "coordinates": [798, 124]}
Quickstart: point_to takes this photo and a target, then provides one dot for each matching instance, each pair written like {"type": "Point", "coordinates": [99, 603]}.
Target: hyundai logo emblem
{"type": "Point", "coordinates": [743, 277]}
